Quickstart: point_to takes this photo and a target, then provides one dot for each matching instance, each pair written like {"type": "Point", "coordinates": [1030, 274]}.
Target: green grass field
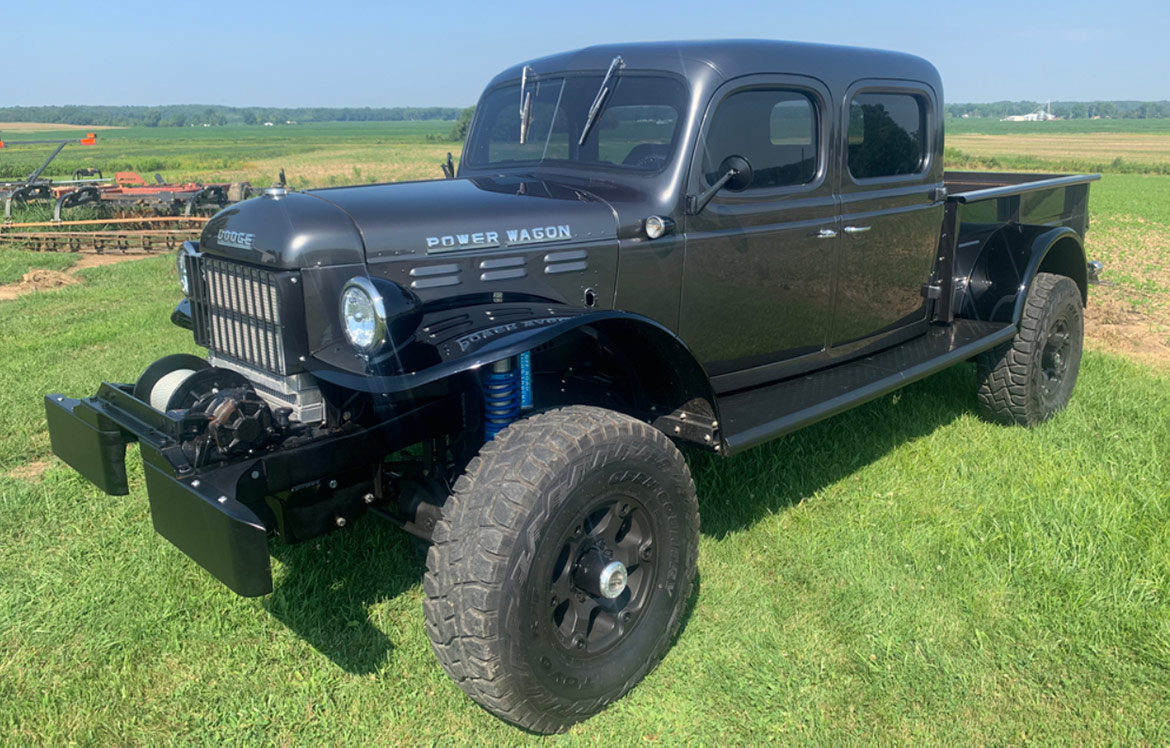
{"type": "Point", "coordinates": [904, 572]}
{"type": "Point", "coordinates": [311, 155]}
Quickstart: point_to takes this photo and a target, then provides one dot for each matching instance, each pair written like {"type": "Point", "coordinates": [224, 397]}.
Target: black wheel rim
{"type": "Point", "coordinates": [1054, 357]}
{"type": "Point", "coordinates": [583, 623]}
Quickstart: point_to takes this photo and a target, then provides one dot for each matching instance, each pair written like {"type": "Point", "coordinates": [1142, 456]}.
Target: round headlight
{"type": "Point", "coordinates": [362, 314]}
{"type": "Point", "coordinates": [184, 281]}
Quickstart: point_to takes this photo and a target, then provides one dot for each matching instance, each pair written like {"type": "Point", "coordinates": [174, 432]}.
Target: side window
{"type": "Point", "coordinates": [887, 135]}
{"type": "Point", "coordinates": [774, 129]}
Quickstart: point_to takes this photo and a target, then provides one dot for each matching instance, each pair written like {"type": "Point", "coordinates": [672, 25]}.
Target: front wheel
{"type": "Point", "coordinates": [562, 566]}
{"type": "Point", "coordinates": [1031, 377]}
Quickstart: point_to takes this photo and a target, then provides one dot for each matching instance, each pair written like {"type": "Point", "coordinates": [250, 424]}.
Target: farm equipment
{"type": "Point", "coordinates": [34, 187]}
{"type": "Point", "coordinates": [136, 235]}
{"type": "Point", "coordinates": [130, 190]}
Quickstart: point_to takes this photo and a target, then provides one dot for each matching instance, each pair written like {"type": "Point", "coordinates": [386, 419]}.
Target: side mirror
{"type": "Point", "coordinates": [744, 173]}
{"type": "Point", "coordinates": [737, 176]}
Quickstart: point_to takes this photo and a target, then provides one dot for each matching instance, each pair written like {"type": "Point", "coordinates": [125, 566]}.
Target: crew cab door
{"type": "Point", "coordinates": [757, 283]}
{"type": "Point", "coordinates": [890, 165]}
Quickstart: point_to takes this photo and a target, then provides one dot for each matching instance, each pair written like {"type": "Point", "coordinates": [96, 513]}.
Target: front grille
{"type": "Point", "coordinates": [237, 312]}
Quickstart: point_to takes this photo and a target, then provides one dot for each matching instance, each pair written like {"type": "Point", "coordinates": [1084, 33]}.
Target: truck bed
{"type": "Point", "coordinates": [972, 186]}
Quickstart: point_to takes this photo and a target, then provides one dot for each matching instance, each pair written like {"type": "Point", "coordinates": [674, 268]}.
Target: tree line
{"type": "Point", "coordinates": [182, 115]}
{"type": "Point", "coordinates": [1066, 109]}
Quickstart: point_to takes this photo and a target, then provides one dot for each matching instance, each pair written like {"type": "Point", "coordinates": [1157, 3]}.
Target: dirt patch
{"type": "Point", "coordinates": [41, 279]}
{"type": "Point", "coordinates": [45, 126]}
{"type": "Point", "coordinates": [31, 472]}
{"type": "Point", "coordinates": [1113, 325]}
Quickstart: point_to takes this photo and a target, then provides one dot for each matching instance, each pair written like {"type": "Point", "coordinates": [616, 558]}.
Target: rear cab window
{"type": "Point", "coordinates": [887, 134]}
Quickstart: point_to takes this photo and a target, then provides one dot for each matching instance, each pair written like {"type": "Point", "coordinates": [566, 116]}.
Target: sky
{"type": "Point", "coordinates": [288, 53]}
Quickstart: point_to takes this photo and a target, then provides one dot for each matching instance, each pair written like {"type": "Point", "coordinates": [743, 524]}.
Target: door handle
{"type": "Point", "coordinates": [824, 234]}
{"type": "Point", "coordinates": [857, 229]}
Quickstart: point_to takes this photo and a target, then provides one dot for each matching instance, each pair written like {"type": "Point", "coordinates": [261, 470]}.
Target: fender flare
{"type": "Point", "coordinates": [666, 364]}
{"type": "Point", "coordinates": [1070, 260]}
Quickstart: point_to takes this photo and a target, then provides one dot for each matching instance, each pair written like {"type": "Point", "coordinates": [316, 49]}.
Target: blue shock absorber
{"type": "Point", "coordinates": [501, 397]}
{"type": "Point", "coordinates": [526, 380]}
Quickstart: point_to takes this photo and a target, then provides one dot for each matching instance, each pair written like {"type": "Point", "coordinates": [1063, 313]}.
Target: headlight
{"type": "Point", "coordinates": [363, 314]}
{"type": "Point", "coordinates": [184, 281]}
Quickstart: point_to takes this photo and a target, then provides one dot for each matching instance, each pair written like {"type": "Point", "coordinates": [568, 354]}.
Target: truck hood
{"type": "Point", "coordinates": [409, 221]}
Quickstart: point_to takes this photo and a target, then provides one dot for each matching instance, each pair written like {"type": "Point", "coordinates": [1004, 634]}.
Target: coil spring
{"type": "Point", "coordinates": [501, 401]}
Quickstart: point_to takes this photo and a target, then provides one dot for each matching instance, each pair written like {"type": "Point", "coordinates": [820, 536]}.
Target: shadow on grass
{"type": "Point", "coordinates": [735, 493]}
{"type": "Point", "coordinates": [330, 584]}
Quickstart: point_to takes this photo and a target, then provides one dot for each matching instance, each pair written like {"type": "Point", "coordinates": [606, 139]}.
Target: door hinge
{"type": "Point", "coordinates": [930, 291]}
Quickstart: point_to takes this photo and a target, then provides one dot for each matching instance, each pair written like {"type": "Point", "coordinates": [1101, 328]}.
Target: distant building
{"type": "Point", "coordinates": [1043, 114]}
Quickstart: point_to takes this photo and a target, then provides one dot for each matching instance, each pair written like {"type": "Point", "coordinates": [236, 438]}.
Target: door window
{"type": "Point", "coordinates": [774, 129]}
{"type": "Point", "coordinates": [887, 135]}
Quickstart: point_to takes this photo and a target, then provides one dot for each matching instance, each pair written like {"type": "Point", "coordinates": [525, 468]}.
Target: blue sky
{"type": "Point", "coordinates": [441, 53]}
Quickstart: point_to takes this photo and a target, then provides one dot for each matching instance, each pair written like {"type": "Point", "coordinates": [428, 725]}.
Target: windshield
{"type": "Point", "coordinates": [636, 128]}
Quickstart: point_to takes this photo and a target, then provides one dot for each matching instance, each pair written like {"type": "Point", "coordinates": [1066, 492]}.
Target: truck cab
{"type": "Point", "coordinates": [645, 247]}
{"type": "Point", "coordinates": [776, 274]}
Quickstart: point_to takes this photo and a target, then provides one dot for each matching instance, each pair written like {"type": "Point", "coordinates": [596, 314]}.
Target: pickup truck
{"type": "Point", "coordinates": [644, 247]}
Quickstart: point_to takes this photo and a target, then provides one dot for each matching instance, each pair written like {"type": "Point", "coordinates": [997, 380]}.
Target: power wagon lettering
{"type": "Point", "coordinates": [512, 237]}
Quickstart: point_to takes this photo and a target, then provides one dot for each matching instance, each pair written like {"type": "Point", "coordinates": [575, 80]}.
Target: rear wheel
{"type": "Point", "coordinates": [1028, 379]}
{"type": "Point", "coordinates": [562, 566]}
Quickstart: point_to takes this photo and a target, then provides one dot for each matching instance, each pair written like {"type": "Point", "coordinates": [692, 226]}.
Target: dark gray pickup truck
{"type": "Point", "coordinates": [646, 246]}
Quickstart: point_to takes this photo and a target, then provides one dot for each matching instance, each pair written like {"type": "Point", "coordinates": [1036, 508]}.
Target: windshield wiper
{"type": "Point", "coordinates": [602, 92]}
{"type": "Point", "coordinates": [525, 103]}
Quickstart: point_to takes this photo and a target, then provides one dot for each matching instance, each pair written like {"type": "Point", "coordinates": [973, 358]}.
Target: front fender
{"type": "Point", "coordinates": [465, 339]}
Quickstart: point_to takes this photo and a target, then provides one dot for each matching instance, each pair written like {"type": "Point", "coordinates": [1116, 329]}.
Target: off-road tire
{"type": "Point", "coordinates": [489, 609]}
{"type": "Point", "coordinates": [1031, 377]}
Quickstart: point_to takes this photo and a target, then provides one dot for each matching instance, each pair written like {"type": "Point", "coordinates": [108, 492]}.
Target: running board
{"type": "Point", "coordinates": [754, 416]}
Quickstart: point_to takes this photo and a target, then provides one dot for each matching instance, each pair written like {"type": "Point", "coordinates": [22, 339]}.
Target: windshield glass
{"type": "Point", "coordinates": [636, 128]}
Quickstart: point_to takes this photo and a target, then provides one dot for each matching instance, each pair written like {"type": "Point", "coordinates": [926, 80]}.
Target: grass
{"type": "Point", "coordinates": [311, 155]}
{"type": "Point", "coordinates": [14, 263]}
{"type": "Point", "coordinates": [988, 126]}
{"type": "Point", "coordinates": [904, 572]}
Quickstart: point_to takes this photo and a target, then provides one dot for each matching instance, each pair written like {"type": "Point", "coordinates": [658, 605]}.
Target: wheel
{"type": "Point", "coordinates": [1031, 377]}
{"type": "Point", "coordinates": [562, 565]}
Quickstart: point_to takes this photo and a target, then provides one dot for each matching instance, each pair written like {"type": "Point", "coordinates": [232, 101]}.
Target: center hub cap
{"type": "Point", "coordinates": [613, 580]}
{"type": "Point", "coordinates": [600, 575]}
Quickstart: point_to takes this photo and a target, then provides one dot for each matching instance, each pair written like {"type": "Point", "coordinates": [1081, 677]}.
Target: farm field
{"type": "Point", "coordinates": [312, 155]}
{"type": "Point", "coordinates": [900, 573]}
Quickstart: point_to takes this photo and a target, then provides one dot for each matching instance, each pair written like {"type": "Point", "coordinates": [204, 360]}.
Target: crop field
{"type": "Point", "coordinates": [904, 572]}
{"type": "Point", "coordinates": [315, 155]}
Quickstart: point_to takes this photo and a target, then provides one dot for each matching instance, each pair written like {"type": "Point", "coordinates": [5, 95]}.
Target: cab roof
{"type": "Point", "coordinates": [724, 59]}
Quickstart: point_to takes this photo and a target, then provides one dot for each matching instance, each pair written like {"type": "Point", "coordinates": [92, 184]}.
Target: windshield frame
{"type": "Point", "coordinates": [678, 145]}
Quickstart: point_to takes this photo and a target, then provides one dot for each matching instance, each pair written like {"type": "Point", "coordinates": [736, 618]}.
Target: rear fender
{"type": "Point", "coordinates": [1000, 276]}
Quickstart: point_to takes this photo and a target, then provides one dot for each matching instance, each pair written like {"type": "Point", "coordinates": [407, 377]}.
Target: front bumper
{"type": "Point", "coordinates": [221, 515]}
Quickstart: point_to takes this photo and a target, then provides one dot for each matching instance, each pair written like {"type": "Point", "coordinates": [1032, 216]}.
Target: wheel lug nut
{"type": "Point", "coordinates": [577, 532]}
{"type": "Point", "coordinates": [626, 617]}
{"type": "Point", "coordinates": [579, 642]}
{"type": "Point", "coordinates": [580, 597]}
{"type": "Point", "coordinates": [553, 602]}
{"type": "Point", "coordinates": [624, 510]}
{"type": "Point", "coordinates": [646, 554]}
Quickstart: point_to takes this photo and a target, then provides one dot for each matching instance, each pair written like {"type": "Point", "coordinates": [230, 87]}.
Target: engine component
{"type": "Point", "coordinates": [296, 393]}
{"type": "Point", "coordinates": [238, 420]}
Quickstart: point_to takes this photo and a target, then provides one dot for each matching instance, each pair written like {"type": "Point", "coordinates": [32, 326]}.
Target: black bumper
{"type": "Point", "coordinates": [200, 515]}
{"type": "Point", "coordinates": [221, 516]}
